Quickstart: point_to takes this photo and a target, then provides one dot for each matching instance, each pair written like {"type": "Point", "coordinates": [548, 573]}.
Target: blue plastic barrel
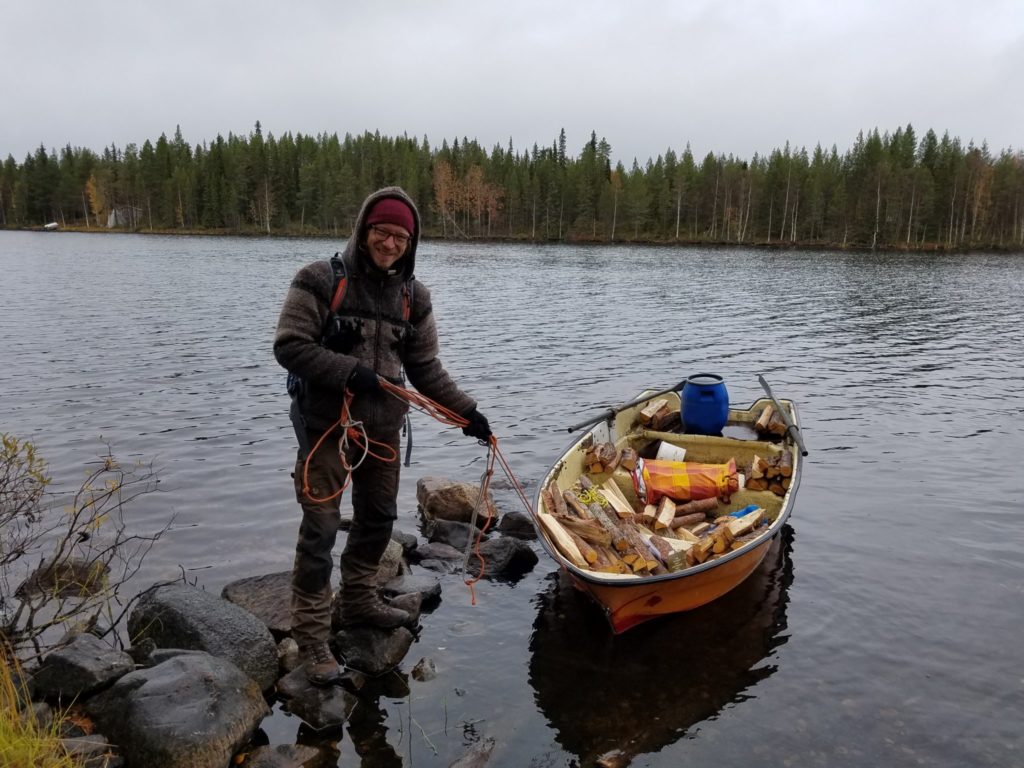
{"type": "Point", "coordinates": [705, 404]}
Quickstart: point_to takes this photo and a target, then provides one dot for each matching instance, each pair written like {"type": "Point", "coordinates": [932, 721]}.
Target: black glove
{"type": "Point", "coordinates": [478, 426]}
{"type": "Point", "coordinates": [362, 380]}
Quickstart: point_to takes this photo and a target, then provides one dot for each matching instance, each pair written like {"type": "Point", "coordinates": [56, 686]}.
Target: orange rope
{"type": "Point", "coordinates": [355, 434]}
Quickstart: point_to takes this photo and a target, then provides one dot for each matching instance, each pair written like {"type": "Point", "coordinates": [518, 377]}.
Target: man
{"type": "Point", "coordinates": [384, 323]}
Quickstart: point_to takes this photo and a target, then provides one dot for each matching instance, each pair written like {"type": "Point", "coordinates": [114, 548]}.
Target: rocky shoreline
{"type": "Point", "coordinates": [203, 670]}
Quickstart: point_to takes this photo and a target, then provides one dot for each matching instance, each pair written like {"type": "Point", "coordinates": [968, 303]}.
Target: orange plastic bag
{"type": "Point", "coordinates": [684, 480]}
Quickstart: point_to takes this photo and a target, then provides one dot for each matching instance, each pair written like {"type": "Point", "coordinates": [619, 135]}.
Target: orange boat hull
{"type": "Point", "coordinates": [627, 604]}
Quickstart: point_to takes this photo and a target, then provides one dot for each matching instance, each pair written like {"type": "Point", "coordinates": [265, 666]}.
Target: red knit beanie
{"type": "Point", "coordinates": [391, 210]}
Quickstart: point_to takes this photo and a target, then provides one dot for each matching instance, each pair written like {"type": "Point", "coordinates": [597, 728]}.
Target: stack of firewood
{"type": "Point", "coordinates": [605, 457]}
{"type": "Point", "coordinates": [595, 527]}
{"type": "Point", "coordinates": [770, 423]}
{"type": "Point", "coordinates": [773, 475]}
{"type": "Point", "coordinates": [659, 416]}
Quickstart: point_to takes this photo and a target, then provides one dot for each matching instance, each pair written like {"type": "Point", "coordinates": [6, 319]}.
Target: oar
{"type": "Point", "coordinates": [610, 413]}
{"type": "Point", "coordinates": [791, 428]}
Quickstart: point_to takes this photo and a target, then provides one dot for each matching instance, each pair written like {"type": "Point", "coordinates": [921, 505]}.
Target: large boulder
{"type": "Point", "coordinates": [266, 597]}
{"type": "Point", "coordinates": [190, 711]}
{"type": "Point", "coordinates": [392, 563]}
{"type": "Point", "coordinates": [83, 666]}
{"type": "Point", "coordinates": [458, 535]}
{"type": "Point", "coordinates": [373, 651]}
{"type": "Point", "coordinates": [503, 557]}
{"type": "Point", "coordinates": [180, 616]}
{"type": "Point", "coordinates": [443, 499]}
{"type": "Point", "coordinates": [320, 707]}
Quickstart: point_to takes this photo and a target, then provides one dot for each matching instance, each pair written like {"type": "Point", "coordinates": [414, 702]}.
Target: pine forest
{"type": "Point", "coordinates": [888, 191]}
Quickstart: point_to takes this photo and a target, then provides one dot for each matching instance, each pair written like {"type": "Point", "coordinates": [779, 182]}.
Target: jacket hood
{"type": "Point", "coordinates": [354, 252]}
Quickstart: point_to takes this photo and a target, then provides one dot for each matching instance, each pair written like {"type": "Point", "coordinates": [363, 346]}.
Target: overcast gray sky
{"type": "Point", "coordinates": [728, 76]}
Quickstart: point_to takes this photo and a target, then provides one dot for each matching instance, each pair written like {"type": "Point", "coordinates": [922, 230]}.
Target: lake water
{"type": "Point", "coordinates": [884, 630]}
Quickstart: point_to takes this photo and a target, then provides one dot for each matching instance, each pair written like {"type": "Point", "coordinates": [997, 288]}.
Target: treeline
{"type": "Point", "coordinates": [889, 190]}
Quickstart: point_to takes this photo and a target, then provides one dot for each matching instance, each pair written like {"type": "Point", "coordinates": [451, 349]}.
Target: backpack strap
{"type": "Point", "coordinates": [341, 286]}
{"type": "Point", "coordinates": [340, 282]}
{"type": "Point", "coordinates": [407, 296]}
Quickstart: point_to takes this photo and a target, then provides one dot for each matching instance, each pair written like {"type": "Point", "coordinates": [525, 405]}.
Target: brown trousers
{"type": "Point", "coordinates": [374, 510]}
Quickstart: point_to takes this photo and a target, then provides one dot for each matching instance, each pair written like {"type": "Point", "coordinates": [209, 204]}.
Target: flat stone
{"type": "Point", "coordinates": [392, 563]}
{"type": "Point", "coordinates": [438, 551]}
{"type": "Point", "coordinates": [181, 616]}
{"type": "Point", "coordinates": [518, 524]}
{"type": "Point", "coordinates": [503, 557]}
{"type": "Point", "coordinates": [427, 585]}
{"type": "Point", "coordinates": [443, 499]}
{"type": "Point", "coordinates": [266, 597]}
{"type": "Point", "coordinates": [191, 711]}
{"type": "Point", "coordinates": [286, 756]}
{"type": "Point", "coordinates": [424, 670]}
{"type": "Point", "coordinates": [373, 651]}
{"type": "Point", "coordinates": [85, 665]}
{"type": "Point", "coordinates": [320, 707]}
{"type": "Point", "coordinates": [457, 535]}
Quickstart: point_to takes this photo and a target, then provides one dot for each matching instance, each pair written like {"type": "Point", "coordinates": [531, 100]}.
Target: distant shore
{"type": "Point", "coordinates": [775, 245]}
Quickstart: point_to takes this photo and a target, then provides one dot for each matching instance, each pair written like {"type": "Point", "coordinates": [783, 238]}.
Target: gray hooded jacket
{"type": "Point", "coordinates": [375, 334]}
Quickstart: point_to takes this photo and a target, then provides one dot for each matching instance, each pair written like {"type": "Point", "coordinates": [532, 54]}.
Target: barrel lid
{"type": "Point", "coordinates": [704, 379]}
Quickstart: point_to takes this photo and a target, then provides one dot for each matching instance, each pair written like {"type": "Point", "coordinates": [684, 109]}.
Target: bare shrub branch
{"type": "Point", "coordinates": [75, 559]}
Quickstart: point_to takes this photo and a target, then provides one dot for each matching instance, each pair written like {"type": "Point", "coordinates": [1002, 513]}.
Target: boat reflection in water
{"type": "Point", "coordinates": [639, 692]}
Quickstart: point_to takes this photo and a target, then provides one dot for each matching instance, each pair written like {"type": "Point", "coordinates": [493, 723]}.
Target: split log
{"type": "Point", "coordinates": [722, 539]}
{"type": "Point", "coordinates": [639, 545]}
{"type": "Point", "coordinates": [560, 538]}
{"type": "Point", "coordinates": [617, 501]}
{"type": "Point", "coordinates": [559, 502]}
{"type": "Point", "coordinates": [681, 520]}
{"type": "Point", "coordinates": [761, 425]}
{"type": "Point", "coordinates": [602, 458]}
{"type": "Point", "coordinates": [758, 484]}
{"type": "Point", "coordinates": [649, 515]}
{"type": "Point", "coordinates": [648, 413]}
{"type": "Point", "coordinates": [777, 489]}
{"type": "Point", "coordinates": [628, 458]}
{"type": "Point", "coordinates": [758, 467]}
{"type": "Point", "coordinates": [666, 513]}
{"type": "Point", "coordinates": [786, 464]}
{"type": "Point", "coordinates": [687, 535]}
{"type": "Point", "coordinates": [585, 482]}
{"type": "Point", "coordinates": [697, 530]}
{"type": "Point", "coordinates": [786, 482]}
{"type": "Point", "coordinates": [704, 506]}
{"type": "Point", "coordinates": [702, 550]}
{"type": "Point", "coordinates": [609, 562]}
{"type": "Point", "coordinates": [746, 524]}
{"type": "Point", "coordinates": [590, 531]}
{"type": "Point", "coordinates": [576, 505]}
{"type": "Point", "coordinates": [619, 539]}
{"type": "Point", "coordinates": [548, 502]}
{"type": "Point", "coordinates": [673, 558]}
{"type": "Point", "coordinates": [588, 552]}
{"type": "Point", "coordinates": [665, 420]}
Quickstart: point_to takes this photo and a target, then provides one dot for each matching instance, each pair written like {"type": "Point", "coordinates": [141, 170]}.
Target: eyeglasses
{"type": "Point", "coordinates": [400, 240]}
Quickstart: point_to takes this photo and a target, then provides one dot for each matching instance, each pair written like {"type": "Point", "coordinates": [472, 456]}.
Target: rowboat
{"type": "Point", "coordinates": [630, 598]}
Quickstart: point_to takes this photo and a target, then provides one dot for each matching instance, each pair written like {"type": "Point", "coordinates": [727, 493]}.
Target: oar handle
{"type": "Point", "coordinates": [611, 413]}
{"type": "Point", "coordinates": [791, 428]}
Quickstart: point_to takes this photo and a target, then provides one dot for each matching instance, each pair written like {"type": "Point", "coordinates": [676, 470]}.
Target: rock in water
{"type": "Point", "coordinates": [191, 711]}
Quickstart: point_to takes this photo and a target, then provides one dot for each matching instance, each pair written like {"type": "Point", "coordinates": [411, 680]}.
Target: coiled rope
{"type": "Point", "coordinates": [354, 434]}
